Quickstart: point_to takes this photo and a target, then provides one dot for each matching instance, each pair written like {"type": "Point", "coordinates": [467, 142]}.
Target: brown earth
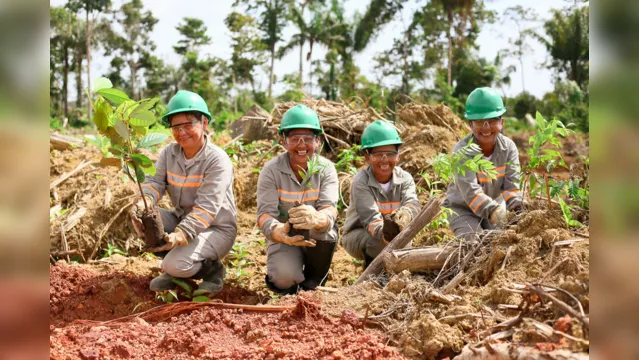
{"type": "Point", "coordinates": [400, 310]}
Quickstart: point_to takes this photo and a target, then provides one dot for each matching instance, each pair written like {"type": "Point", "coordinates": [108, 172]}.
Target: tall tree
{"type": "Point", "coordinates": [247, 52]}
{"type": "Point", "coordinates": [272, 22]}
{"type": "Point", "coordinates": [463, 8]}
{"type": "Point", "coordinates": [89, 7]}
{"type": "Point", "coordinates": [136, 43]}
{"type": "Point", "coordinates": [567, 42]}
{"type": "Point", "coordinates": [519, 47]}
{"type": "Point", "coordinates": [63, 26]}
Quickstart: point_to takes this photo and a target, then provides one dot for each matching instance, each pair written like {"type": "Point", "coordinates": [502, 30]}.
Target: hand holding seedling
{"type": "Point", "coordinates": [176, 238]}
{"type": "Point", "coordinates": [401, 217]}
{"type": "Point", "coordinates": [307, 218]}
{"type": "Point", "coordinates": [280, 235]}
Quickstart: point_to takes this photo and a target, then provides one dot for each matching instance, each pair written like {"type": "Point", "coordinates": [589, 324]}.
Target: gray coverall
{"type": "Point", "coordinates": [202, 194]}
{"type": "Point", "coordinates": [277, 191]}
{"type": "Point", "coordinates": [368, 204]}
{"type": "Point", "coordinates": [473, 195]}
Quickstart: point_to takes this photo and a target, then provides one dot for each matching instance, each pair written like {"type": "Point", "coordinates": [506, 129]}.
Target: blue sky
{"type": "Point", "coordinates": [491, 40]}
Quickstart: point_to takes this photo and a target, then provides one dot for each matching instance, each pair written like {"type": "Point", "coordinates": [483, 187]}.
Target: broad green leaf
{"type": "Point", "coordinates": [116, 151]}
{"type": "Point", "coordinates": [142, 160]}
{"type": "Point", "coordinates": [121, 128]}
{"type": "Point", "coordinates": [142, 118]}
{"type": "Point", "coordinates": [199, 292]}
{"type": "Point", "coordinates": [146, 104]}
{"type": "Point", "coordinates": [102, 83]}
{"type": "Point", "coordinates": [117, 162]}
{"type": "Point", "coordinates": [139, 174]}
{"type": "Point", "coordinates": [102, 115]}
{"type": "Point", "coordinates": [151, 140]}
{"type": "Point", "coordinates": [183, 284]}
{"type": "Point", "coordinates": [114, 96]}
{"type": "Point", "coordinates": [200, 299]}
{"type": "Point", "coordinates": [140, 130]}
{"type": "Point", "coordinates": [174, 294]}
{"type": "Point", "coordinates": [128, 170]}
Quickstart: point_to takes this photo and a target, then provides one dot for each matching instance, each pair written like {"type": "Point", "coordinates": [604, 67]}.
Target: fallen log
{"type": "Point", "coordinates": [416, 260]}
{"type": "Point", "coordinates": [64, 142]}
{"type": "Point", "coordinates": [419, 222]}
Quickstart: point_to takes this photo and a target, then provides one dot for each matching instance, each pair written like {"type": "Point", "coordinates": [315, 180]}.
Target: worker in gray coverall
{"type": "Point", "coordinates": [198, 177]}
{"type": "Point", "coordinates": [381, 188]}
{"type": "Point", "coordinates": [293, 261]}
{"type": "Point", "coordinates": [473, 196]}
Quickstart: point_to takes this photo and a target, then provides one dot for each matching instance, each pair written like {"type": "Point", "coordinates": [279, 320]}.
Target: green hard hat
{"type": "Point", "coordinates": [380, 133]}
{"type": "Point", "coordinates": [185, 101]}
{"type": "Point", "coordinates": [300, 117]}
{"type": "Point", "coordinates": [484, 103]}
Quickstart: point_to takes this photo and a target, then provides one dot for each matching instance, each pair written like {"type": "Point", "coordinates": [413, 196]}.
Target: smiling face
{"type": "Point", "coordinates": [300, 144]}
{"type": "Point", "coordinates": [188, 130]}
{"type": "Point", "coordinates": [486, 131]}
{"type": "Point", "coordinates": [382, 160]}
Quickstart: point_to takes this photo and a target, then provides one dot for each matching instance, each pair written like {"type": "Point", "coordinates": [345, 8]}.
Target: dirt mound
{"type": "Point", "coordinates": [81, 293]}
{"type": "Point", "coordinates": [87, 202]}
{"type": "Point", "coordinates": [303, 333]}
{"type": "Point", "coordinates": [425, 323]}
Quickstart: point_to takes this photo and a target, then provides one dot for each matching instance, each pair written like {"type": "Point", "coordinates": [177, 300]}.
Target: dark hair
{"type": "Point", "coordinates": [368, 151]}
{"type": "Point", "coordinates": [189, 114]}
{"type": "Point", "coordinates": [315, 132]}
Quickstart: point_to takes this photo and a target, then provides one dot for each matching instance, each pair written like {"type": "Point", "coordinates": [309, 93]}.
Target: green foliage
{"type": "Point", "coordinates": [122, 121]}
{"type": "Point", "coordinates": [546, 132]}
{"type": "Point", "coordinates": [347, 158]}
{"type": "Point", "coordinates": [313, 166]}
{"type": "Point", "coordinates": [112, 249]}
{"type": "Point", "coordinates": [187, 292]}
{"type": "Point", "coordinates": [239, 260]}
{"type": "Point", "coordinates": [469, 158]}
{"type": "Point", "coordinates": [101, 142]}
{"type": "Point", "coordinates": [565, 209]}
{"type": "Point", "coordinates": [441, 221]}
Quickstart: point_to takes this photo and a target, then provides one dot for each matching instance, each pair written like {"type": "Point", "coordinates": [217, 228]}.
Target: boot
{"type": "Point", "coordinates": [212, 275]}
{"type": "Point", "coordinates": [317, 263]}
{"type": "Point", "coordinates": [290, 291]}
{"type": "Point", "coordinates": [162, 283]}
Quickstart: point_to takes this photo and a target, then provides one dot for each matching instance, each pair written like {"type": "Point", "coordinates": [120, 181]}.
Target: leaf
{"type": "Point", "coordinates": [139, 174]}
{"type": "Point", "coordinates": [142, 160]}
{"type": "Point", "coordinates": [121, 128]}
{"type": "Point", "coordinates": [151, 140]}
{"type": "Point", "coordinates": [102, 115]}
{"type": "Point", "coordinates": [146, 104]}
{"type": "Point", "coordinates": [102, 83]}
{"type": "Point", "coordinates": [201, 299]}
{"type": "Point", "coordinates": [142, 118]}
{"type": "Point", "coordinates": [183, 284]}
{"type": "Point", "coordinates": [117, 162]}
{"type": "Point", "coordinates": [116, 151]}
{"type": "Point", "coordinates": [114, 96]}
{"type": "Point", "coordinates": [174, 294]}
{"type": "Point", "coordinates": [199, 292]}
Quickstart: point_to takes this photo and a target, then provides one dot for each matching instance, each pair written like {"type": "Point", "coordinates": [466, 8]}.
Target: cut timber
{"type": "Point", "coordinates": [416, 260]}
{"type": "Point", "coordinates": [64, 142]}
{"type": "Point", "coordinates": [419, 222]}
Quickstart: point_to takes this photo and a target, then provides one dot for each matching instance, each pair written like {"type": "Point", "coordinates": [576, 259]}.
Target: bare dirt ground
{"type": "Point", "coordinates": [100, 305]}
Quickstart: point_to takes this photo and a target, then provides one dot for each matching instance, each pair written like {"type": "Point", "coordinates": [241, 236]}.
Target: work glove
{"type": "Point", "coordinates": [499, 217]}
{"type": "Point", "coordinates": [518, 206]}
{"type": "Point", "coordinates": [307, 218]}
{"type": "Point", "coordinates": [176, 238]}
{"type": "Point", "coordinates": [280, 235]}
{"type": "Point", "coordinates": [135, 213]}
{"type": "Point", "coordinates": [402, 217]}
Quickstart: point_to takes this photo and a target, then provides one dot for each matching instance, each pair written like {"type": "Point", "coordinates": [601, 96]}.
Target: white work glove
{"type": "Point", "coordinates": [135, 213]}
{"type": "Point", "coordinates": [280, 235]}
{"type": "Point", "coordinates": [402, 217]}
{"type": "Point", "coordinates": [499, 217]}
{"type": "Point", "coordinates": [176, 238]}
{"type": "Point", "coordinates": [307, 218]}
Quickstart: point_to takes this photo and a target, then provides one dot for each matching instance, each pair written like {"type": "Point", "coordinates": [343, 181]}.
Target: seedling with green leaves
{"type": "Point", "coordinates": [313, 166]}
{"type": "Point", "coordinates": [546, 132]}
{"type": "Point", "coordinates": [125, 124]}
{"type": "Point", "coordinates": [469, 158]}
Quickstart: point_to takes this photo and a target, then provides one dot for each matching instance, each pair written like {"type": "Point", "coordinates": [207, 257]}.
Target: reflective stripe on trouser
{"type": "Point", "coordinates": [358, 242]}
{"type": "Point", "coordinates": [288, 265]}
{"type": "Point", "coordinates": [465, 224]}
{"type": "Point", "coordinates": [184, 261]}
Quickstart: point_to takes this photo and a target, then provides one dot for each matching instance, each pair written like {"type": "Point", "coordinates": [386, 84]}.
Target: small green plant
{"type": "Point", "coordinates": [112, 249]}
{"type": "Point", "coordinates": [239, 261]}
{"type": "Point", "coordinates": [433, 187]}
{"type": "Point", "coordinates": [441, 221]}
{"type": "Point", "coordinates": [56, 212]}
{"type": "Point", "coordinates": [346, 158]}
{"type": "Point", "coordinates": [102, 143]}
{"type": "Point", "coordinates": [469, 158]}
{"type": "Point", "coordinates": [187, 291]}
{"type": "Point", "coordinates": [166, 296]}
{"type": "Point", "coordinates": [546, 132]}
{"type": "Point", "coordinates": [565, 209]}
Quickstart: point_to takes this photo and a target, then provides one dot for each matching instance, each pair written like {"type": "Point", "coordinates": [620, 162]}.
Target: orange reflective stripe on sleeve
{"type": "Point", "coordinates": [185, 177]}
{"type": "Point", "coordinates": [204, 212]}
{"type": "Point", "coordinates": [263, 219]}
{"type": "Point", "coordinates": [184, 184]}
{"type": "Point", "coordinates": [483, 200]}
{"type": "Point", "coordinates": [373, 225]}
{"type": "Point", "coordinates": [155, 191]}
{"type": "Point", "coordinates": [199, 218]}
{"type": "Point", "coordinates": [473, 201]}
